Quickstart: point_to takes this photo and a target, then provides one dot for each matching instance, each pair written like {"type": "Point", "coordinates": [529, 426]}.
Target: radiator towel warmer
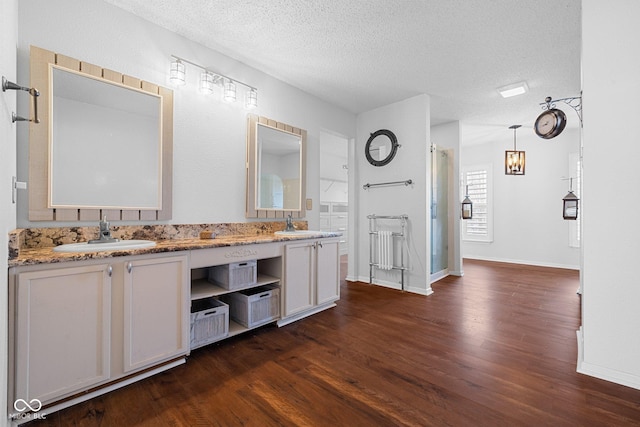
{"type": "Point", "coordinates": [382, 243]}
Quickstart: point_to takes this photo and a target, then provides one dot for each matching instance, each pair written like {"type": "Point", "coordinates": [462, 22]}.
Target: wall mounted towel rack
{"type": "Point", "coordinates": [382, 244]}
{"type": "Point", "coordinates": [383, 184]}
{"type": "Point", "coordinates": [7, 85]}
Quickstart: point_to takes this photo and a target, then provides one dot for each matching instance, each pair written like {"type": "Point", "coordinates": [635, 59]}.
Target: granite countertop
{"type": "Point", "coordinates": [26, 253]}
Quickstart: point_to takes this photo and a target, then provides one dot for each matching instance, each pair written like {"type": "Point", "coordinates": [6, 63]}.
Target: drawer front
{"type": "Point", "coordinates": [339, 208]}
{"type": "Point", "coordinates": [231, 254]}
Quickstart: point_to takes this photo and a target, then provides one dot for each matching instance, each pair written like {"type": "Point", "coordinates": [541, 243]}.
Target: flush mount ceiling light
{"type": "Point", "coordinates": [514, 160]}
{"type": "Point", "coordinates": [210, 79]}
{"type": "Point", "coordinates": [513, 89]}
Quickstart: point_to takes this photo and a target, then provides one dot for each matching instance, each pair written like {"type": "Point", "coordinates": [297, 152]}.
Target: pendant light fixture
{"type": "Point", "coordinates": [467, 206]}
{"type": "Point", "coordinates": [514, 161]}
{"type": "Point", "coordinates": [570, 203]}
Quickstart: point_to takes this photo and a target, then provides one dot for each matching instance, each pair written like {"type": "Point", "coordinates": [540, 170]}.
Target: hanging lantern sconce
{"type": "Point", "coordinates": [570, 203]}
{"type": "Point", "coordinates": [514, 161]}
{"type": "Point", "coordinates": [467, 206]}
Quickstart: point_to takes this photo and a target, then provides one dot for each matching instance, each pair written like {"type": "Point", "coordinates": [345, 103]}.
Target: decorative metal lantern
{"type": "Point", "coordinates": [570, 204]}
{"type": "Point", "coordinates": [467, 206]}
{"type": "Point", "coordinates": [514, 160]}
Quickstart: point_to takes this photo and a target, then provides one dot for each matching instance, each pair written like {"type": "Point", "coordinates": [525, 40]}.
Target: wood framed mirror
{"type": "Point", "coordinates": [104, 144]}
{"type": "Point", "coordinates": [275, 169]}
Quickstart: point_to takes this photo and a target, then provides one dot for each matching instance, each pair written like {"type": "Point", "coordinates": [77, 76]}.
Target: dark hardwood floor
{"type": "Point", "coordinates": [496, 347]}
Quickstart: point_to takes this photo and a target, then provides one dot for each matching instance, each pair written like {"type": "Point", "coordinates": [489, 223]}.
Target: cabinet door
{"type": "Point", "coordinates": [299, 277]}
{"type": "Point", "coordinates": [156, 311]}
{"type": "Point", "coordinates": [328, 272]}
{"type": "Point", "coordinates": [63, 324]}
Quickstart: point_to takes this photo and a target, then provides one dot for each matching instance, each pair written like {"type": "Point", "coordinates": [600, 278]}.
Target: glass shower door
{"type": "Point", "coordinates": [439, 213]}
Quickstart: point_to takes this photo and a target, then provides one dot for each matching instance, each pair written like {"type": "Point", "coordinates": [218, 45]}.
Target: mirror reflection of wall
{"type": "Point", "coordinates": [278, 169]}
{"type": "Point", "coordinates": [106, 147]}
{"type": "Point", "coordinates": [380, 148]}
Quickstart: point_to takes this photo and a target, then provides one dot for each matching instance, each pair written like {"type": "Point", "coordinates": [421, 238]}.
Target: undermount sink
{"type": "Point", "coordinates": [299, 232]}
{"type": "Point", "coordinates": [121, 245]}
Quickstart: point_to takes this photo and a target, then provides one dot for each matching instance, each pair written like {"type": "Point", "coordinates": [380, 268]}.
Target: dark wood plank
{"type": "Point", "coordinates": [495, 347]}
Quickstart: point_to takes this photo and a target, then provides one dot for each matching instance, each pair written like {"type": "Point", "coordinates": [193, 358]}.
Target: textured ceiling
{"type": "Point", "coordinates": [363, 54]}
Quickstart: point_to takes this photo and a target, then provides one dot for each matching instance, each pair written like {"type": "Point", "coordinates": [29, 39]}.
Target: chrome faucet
{"type": "Point", "coordinates": [290, 226]}
{"type": "Point", "coordinates": [105, 233]}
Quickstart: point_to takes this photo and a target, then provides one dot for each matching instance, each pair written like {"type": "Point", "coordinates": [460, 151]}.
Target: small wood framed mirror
{"type": "Point", "coordinates": [276, 169]}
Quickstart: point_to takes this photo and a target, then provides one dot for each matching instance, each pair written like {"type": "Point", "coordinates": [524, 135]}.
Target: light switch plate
{"type": "Point", "coordinates": [309, 204]}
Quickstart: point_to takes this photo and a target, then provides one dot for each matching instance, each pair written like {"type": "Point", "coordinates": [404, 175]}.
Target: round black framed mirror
{"type": "Point", "coordinates": [381, 147]}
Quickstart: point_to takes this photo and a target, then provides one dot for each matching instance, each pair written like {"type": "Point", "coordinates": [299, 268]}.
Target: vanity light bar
{"type": "Point", "coordinates": [209, 78]}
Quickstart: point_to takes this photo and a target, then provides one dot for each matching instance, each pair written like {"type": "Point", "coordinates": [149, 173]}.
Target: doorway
{"type": "Point", "coordinates": [334, 187]}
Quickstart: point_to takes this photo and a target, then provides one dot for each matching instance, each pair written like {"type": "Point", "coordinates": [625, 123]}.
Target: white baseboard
{"type": "Point", "coordinates": [421, 291]}
{"type": "Point", "coordinates": [384, 283]}
{"type": "Point", "coordinates": [439, 276]}
{"type": "Point", "coordinates": [603, 373]}
{"type": "Point", "coordinates": [395, 285]}
{"type": "Point", "coordinates": [525, 262]}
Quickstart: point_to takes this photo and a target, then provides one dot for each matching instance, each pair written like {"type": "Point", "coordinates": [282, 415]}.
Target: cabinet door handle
{"type": "Point", "coordinates": [109, 270]}
{"type": "Point", "coordinates": [320, 244]}
{"type": "Point", "coordinates": [129, 266]}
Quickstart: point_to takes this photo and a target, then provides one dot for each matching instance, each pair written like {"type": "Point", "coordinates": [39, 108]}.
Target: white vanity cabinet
{"type": "Point", "coordinates": [79, 325]}
{"type": "Point", "coordinates": [311, 278]}
{"type": "Point", "coordinates": [78, 329]}
{"type": "Point", "coordinates": [156, 310]}
{"type": "Point", "coordinates": [62, 331]}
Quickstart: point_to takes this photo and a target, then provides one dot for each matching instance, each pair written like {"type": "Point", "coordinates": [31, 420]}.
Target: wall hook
{"type": "Point", "coordinates": [7, 85]}
{"type": "Point", "coordinates": [15, 186]}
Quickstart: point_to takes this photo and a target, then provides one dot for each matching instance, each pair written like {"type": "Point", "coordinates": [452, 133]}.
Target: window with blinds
{"type": "Point", "coordinates": [478, 181]}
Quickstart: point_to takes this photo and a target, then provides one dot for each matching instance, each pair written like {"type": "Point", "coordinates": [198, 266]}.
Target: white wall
{"type": "Point", "coordinates": [409, 120]}
{"type": "Point", "coordinates": [449, 137]}
{"type": "Point", "coordinates": [611, 294]}
{"type": "Point", "coordinates": [334, 191]}
{"type": "Point", "coordinates": [209, 136]}
{"type": "Point", "coordinates": [528, 223]}
{"type": "Point", "coordinates": [8, 41]}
